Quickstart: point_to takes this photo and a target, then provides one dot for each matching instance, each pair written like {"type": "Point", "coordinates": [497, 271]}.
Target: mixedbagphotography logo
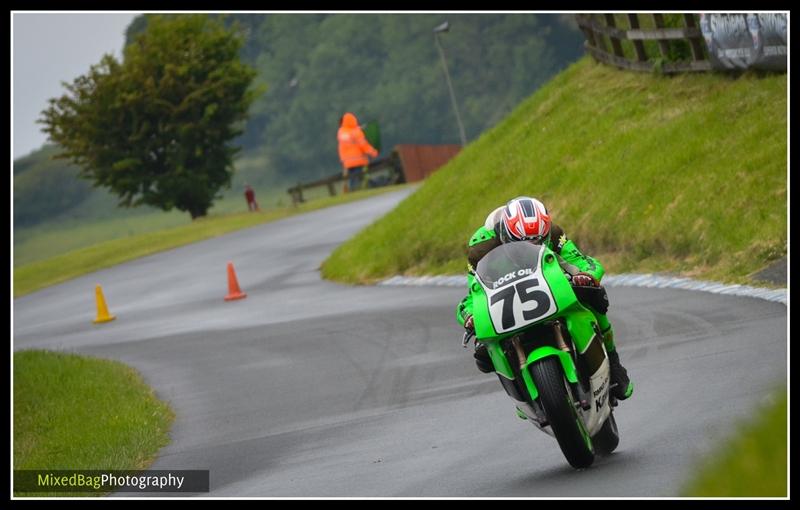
{"type": "Point", "coordinates": [30, 480]}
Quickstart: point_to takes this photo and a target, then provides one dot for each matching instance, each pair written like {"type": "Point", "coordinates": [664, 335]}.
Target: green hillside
{"type": "Point", "coordinates": [45, 187]}
{"type": "Point", "coordinates": [683, 174]}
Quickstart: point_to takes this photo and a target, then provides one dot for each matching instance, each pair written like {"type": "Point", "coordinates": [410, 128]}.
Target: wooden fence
{"type": "Point", "coordinates": [632, 47]}
{"type": "Point", "coordinates": [406, 163]}
{"type": "Point", "coordinates": [388, 170]}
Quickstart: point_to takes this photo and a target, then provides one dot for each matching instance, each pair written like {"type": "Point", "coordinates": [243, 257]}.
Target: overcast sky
{"type": "Point", "coordinates": [49, 49]}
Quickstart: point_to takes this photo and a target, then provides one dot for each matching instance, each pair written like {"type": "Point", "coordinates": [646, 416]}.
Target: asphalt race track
{"type": "Point", "coordinates": [308, 388]}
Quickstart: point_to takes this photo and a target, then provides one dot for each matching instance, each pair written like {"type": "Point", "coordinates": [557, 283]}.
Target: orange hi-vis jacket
{"type": "Point", "coordinates": [353, 145]}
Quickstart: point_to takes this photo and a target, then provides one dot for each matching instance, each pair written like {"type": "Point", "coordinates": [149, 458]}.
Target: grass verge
{"type": "Point", "coordinates": [752, 464]}
{"type": "Point", "coordinates": [40, 274]}
{"type": "Point", "coordinates": [683, 174]}
{"type": "Point", "coordinates": [99, 219]}
{"type": "Point", "coordinates": [76, 412]}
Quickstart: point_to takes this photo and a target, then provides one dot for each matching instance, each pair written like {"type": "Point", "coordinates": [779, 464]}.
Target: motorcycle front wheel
{"type": "Point", "coordinates": [566, 424]}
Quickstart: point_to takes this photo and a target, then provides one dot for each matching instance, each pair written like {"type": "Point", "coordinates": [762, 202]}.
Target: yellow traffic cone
{"type": "Point", "coordinates": [102, 309]}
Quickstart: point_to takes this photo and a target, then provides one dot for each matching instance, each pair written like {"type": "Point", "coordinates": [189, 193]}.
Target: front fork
{"type": "Point", "coordinates": [560, 349]}
{"type": "Point", "coordinates": [583, 399]}
{"type": "Point", "coordinates": [565, 356]}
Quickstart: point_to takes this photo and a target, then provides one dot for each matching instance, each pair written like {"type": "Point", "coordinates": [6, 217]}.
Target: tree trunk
{"type": "Point", "coordinates": [198, 212]}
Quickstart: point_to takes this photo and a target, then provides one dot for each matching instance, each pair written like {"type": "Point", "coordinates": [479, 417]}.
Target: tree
{"type": "Point", "coordinates": [155, 128]}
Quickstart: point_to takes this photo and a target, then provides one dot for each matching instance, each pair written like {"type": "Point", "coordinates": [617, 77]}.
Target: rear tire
{"type": "Point", "coordinates": [607, 439]}
{"type": "Point", "coordinates": [575, 443]}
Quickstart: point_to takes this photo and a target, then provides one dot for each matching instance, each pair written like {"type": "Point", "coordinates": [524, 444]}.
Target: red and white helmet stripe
{"type": "Point", "coordinates": [526, 218]}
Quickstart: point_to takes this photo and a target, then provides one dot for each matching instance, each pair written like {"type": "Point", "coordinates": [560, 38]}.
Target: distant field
{"type": "Point", "coordinates": [93, 216]}
{"type": "Point", "coordinates": [153, 238]}
{"type": "Point", "coordinates": [81, 227]}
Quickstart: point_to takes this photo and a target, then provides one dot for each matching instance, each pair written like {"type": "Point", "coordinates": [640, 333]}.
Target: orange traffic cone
{"type": "Point", "coordinates": [102, 309]}
{"type": "Point", "coordinates": [234, 292]}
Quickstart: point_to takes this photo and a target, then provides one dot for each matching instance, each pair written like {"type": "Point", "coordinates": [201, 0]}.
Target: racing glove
{"type": "Point", "coordinates": [469, 331]}
{"type": "Point", "coordinates": [584, 280]}
{"type": "Point", "coordinates": [469, 324]}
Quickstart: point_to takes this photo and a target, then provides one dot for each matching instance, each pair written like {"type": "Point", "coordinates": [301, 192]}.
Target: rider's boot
{"type": "Point", "coordinates": [483, 360]}
{"type": "Point", "coordinates": [485, 365]}
{"type": "Point", "coordinates": [621, 385]}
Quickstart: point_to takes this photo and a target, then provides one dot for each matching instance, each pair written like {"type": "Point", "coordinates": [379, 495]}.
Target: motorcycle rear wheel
{"type": "Point", "coordinates": [557, 401]}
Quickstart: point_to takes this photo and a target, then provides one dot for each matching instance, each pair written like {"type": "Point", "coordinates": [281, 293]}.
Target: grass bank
{"type": "Point", "coordinates": [683, 174]}
{"type": "Point", "coordinates": [75, 412]}
{"type": "Point", "coordinates": [751, 464]}
{"type": "Point", "coordinates": [40, 274]}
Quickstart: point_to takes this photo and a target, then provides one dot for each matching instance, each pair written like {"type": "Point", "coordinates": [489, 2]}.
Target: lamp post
{"type": "Point", "coordinates": [444, 27]}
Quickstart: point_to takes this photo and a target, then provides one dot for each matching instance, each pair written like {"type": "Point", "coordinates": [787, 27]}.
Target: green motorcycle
{"type": "Point", "coordinates": [546, 347]}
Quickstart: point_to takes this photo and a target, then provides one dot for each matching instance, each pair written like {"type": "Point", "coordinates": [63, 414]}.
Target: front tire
{"type": "Point", "coordinates": [607, 439]}
{"type": "Point", "coordinates": [575, 443]}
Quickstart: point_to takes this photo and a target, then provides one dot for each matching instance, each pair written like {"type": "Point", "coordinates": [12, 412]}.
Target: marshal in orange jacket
{"type": "Point", "coordinates": [353, 145]}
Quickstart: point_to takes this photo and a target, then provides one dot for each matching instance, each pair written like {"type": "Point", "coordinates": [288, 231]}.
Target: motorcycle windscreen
{"type": "Point", "coordinates": [517, 293]}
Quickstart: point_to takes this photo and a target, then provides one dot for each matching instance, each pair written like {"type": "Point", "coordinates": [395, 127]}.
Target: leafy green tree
{"type": "Point", "coordinates": [155, 128]}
